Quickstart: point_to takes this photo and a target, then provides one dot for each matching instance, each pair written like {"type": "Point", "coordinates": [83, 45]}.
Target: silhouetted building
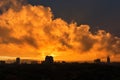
{"type": "Point", "coordinates": [2, 62]}
{"type": "Point", "coordinates": [17, 60]}
{"type": "Point", "coordinates": [34, 62]}
{"type": "Point", "coordinates": [49, 59]}
{"type": "Point", "coordinates": [108, 59]}
{"type": "Point", "coordinates": [63, 62]}
{"type": "Point", "coordinates": [97, 61]}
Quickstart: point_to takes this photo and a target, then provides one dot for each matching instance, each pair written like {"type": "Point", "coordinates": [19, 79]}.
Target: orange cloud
{"type": "Point", "coordinates": [32, 32]}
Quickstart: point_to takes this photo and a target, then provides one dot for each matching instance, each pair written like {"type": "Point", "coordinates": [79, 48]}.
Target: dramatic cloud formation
{"type": "Point", "coordinates": [31, 31]}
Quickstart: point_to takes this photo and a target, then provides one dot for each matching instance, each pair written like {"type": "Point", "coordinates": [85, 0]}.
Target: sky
{"type": "Point", "coordinates": [74, 30]}
{"type": "Point", "coordinates": [103, 14]}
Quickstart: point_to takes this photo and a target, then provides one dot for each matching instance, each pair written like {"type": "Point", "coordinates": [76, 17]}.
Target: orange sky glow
{"type": "Point", "coordinates": [32, 32]}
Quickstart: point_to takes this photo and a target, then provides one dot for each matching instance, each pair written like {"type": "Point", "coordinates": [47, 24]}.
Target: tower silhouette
{"type": "Point", "coordinates": [108, 59]}
{"type": "Point", "coordinates": [17, 60]}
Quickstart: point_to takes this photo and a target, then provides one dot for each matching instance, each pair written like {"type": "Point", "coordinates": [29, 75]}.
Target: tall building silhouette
{"type": "Point", "coordinates": [17, 60]}
{"type": "Point", "coordinates": [108, 59]}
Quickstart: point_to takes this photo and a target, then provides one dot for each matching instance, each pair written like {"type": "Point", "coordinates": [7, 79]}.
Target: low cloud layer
{"type": "Point", "coordinates": [31, 31]}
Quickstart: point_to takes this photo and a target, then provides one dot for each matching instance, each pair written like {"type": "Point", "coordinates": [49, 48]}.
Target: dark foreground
{"type": "Point", "coordinates": [71, 71]}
